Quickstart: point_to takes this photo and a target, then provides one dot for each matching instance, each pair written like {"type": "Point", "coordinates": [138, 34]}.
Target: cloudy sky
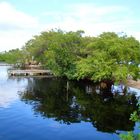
{"type": "Point", "coordinates": [21, 19]}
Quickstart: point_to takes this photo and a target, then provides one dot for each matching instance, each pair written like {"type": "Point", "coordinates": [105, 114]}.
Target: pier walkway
{"type": "Point", "coordinates": [29, 72]}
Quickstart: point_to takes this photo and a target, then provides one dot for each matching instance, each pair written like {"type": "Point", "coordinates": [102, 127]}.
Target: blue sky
{"type": "Point", "coordinates": [21, 19]}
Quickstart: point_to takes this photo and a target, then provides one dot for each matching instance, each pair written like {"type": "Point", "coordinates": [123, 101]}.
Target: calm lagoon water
{"type": "Point", "coordinates": [54, 109]}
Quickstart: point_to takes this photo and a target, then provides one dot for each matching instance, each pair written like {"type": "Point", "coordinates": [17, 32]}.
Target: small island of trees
{"type": "Point", "coordinates": [75, 56]}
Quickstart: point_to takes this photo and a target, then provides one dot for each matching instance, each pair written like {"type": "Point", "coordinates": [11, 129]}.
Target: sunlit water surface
{"type": "Point", "coordinates": [54, 109]}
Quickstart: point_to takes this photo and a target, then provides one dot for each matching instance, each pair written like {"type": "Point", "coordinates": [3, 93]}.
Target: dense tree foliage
{"type": "Point", "coordinates": [63, 52]}
{"type": "Point", "coordinates": [110, 56]}
{"type": "Point", "coordinates": [72, 55]}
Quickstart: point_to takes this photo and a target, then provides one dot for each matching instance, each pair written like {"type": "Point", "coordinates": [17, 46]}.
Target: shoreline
{"type": "Point", "coordinates": [134, 84]}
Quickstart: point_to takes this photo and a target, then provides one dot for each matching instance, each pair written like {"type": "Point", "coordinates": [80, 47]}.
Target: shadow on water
{"type": "Point", "coordinates": [72, 102]}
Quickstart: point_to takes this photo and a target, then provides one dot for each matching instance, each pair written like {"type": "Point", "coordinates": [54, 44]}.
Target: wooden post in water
{"type": "Point", "coordinates": [67, 95]}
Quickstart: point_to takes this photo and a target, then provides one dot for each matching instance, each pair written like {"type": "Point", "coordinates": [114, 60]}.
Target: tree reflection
{"type": "Point", "coordinates": [73, 102]}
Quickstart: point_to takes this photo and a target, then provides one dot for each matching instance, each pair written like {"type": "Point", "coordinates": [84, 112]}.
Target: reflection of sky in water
{"type": "Point", "coordinates": [130, 90]}
{"type": "Point", "coordinates": [137, 91]}
{"type": "Point", "coordinates": [9, 88]}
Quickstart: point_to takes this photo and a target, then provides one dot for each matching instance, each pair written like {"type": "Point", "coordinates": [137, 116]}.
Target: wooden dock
{"type": "Point", "coordinates": [5, 64]}
{"type": "Point", "coordinates": [29, 72]}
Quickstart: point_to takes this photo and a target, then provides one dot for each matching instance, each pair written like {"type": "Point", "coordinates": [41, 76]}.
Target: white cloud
{"type": "Point", "coordinates": [94, 10]}
{"type": "Point", "coordinates": [16, 27]}
{"type": "Point", "coordinates": [9, 95]}
{"type": "Point", "coordinates": [13, 39]}
{"type": "Point", "coordinates": [95, 19]}
{"type": "Point", "coordinates": [12, 17]}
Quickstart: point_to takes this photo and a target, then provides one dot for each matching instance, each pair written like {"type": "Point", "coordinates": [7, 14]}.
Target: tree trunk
{"type": "Point", "coordinates": [105, 88]}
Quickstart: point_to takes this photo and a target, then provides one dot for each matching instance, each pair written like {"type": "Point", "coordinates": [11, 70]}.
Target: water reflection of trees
{"type": "Point", "coordinates": [52, 99]}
